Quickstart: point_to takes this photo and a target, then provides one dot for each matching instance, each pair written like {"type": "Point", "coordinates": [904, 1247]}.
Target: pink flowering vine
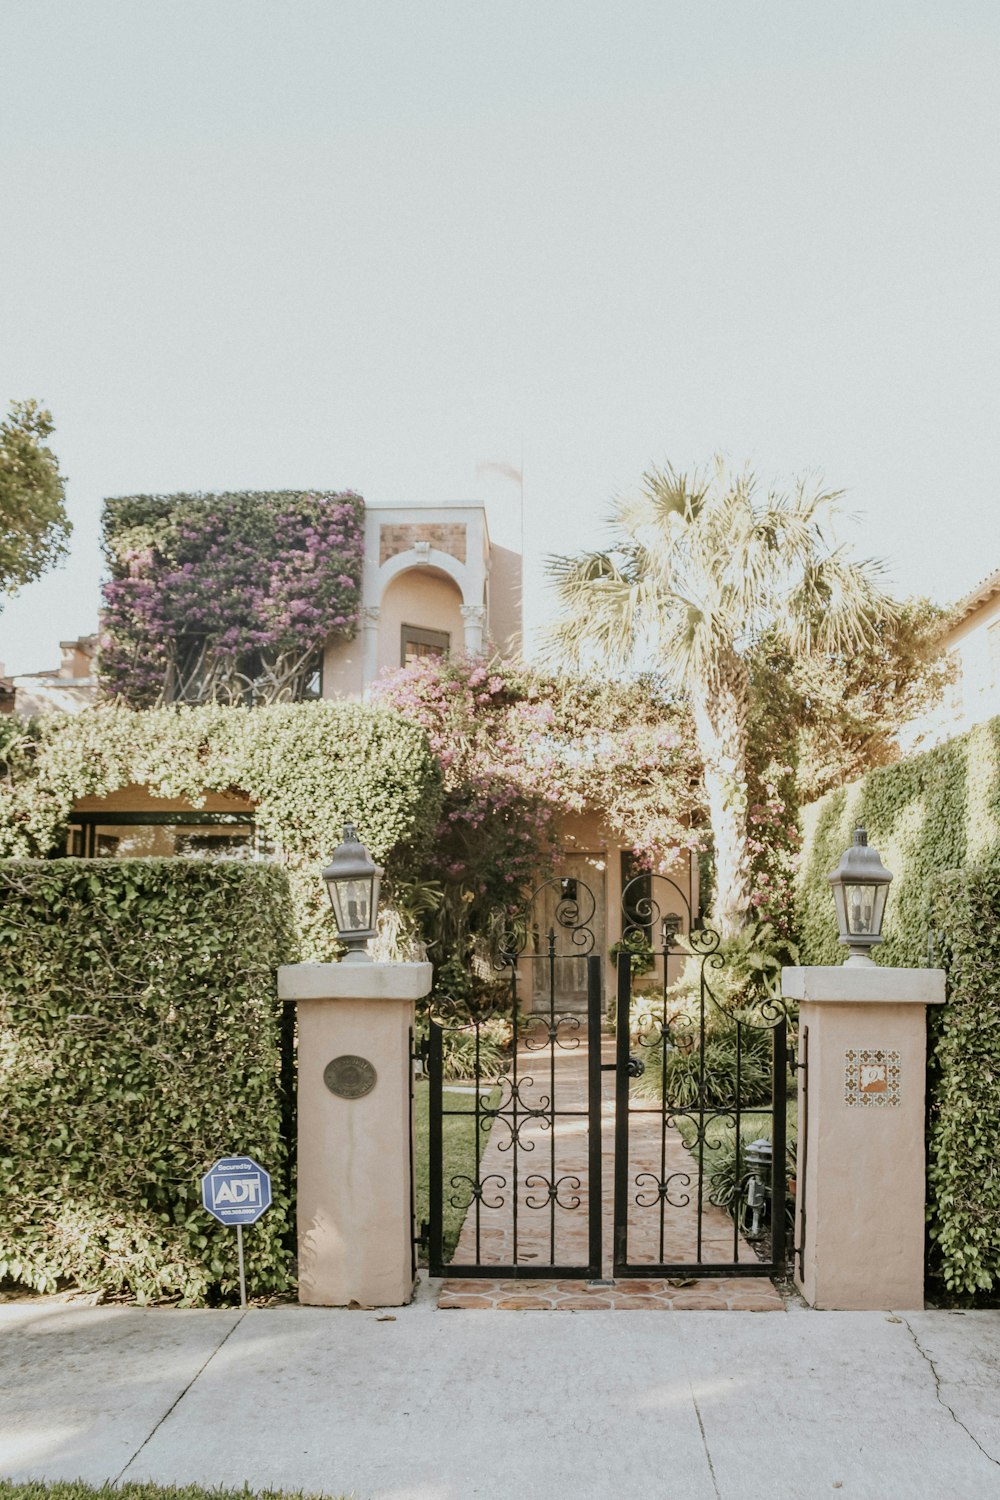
{"type": "Point", "coordinates": [519, 750]}
{"type": "Point", "coordinates": [226, 597]}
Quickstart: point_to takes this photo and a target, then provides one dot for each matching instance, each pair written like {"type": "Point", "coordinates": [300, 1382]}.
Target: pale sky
{"type": "Point", "coordinates": [345, 243]}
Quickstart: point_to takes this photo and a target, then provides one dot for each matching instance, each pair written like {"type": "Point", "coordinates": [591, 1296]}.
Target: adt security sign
{"type": "Point", "coordinates": [236, 1190]}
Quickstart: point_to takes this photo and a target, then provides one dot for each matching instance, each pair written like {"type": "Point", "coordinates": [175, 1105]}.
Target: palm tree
{"type": "Point", "coordinates": [700, 568]}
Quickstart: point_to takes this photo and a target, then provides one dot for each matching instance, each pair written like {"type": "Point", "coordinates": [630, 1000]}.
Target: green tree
{"type": "Point", "coordinates": [831, 716]}
{"type": "Point", "coordinates": [702, 569]}
{"type": "Point", "coordinates": [34, 527]}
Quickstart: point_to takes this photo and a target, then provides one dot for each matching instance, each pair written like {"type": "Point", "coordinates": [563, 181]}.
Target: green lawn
{"type": "Point", "coordinates": [37, 1489]}
{"type": "Point", "coordinates": [461, 1153]}
{"type": "Point", "coordinates": [752, 1124]}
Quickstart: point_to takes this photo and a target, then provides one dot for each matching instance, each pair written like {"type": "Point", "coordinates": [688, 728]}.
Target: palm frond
{"type": "Point", "coordinates": [704, 565]}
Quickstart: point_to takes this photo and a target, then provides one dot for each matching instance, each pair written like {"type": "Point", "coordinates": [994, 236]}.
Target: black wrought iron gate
{"type": "Point", "coordinates": [694, 1063]}
{"type": "Point", "coordinates": [694, 1197]}
{"type": "Point", "coordinates": [533, 1202]}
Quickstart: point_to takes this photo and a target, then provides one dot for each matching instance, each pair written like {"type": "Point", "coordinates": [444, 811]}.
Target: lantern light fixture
{"type": "Point", "coordinates": [860, 888]}
{"type": "Point", "coordinates": [352, 881]}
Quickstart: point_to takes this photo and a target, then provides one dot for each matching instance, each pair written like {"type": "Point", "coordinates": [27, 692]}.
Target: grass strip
{"type": "Point", "coordinates": [719, 1133]}
{"type": "Point", "coordinates": [461, 1154]}
{"type": "Point", "coordinates": [75, 1489]}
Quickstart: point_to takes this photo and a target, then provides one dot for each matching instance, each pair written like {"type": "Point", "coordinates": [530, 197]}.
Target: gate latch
{"type": "Point", "coordinates": [635, 1067]}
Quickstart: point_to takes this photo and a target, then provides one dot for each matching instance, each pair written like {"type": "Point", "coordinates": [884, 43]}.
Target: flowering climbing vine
{"type": "Point", "coordinates": [519, 750]}
{"type": "Point", "coordinates": [226, 598]}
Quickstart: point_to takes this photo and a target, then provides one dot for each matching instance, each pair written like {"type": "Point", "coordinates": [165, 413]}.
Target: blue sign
{"type": "Point", "coordinates": [236, 1190]}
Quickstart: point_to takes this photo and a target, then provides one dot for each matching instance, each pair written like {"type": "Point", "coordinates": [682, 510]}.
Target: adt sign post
{"type": "Point", "coordinates": [237, 1190]}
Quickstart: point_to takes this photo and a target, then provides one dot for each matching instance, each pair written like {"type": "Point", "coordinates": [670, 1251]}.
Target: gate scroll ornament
{"type": "Point", "coordinates": [528, 1121]}
{"type": "Point", "coordinates": [660, 927]}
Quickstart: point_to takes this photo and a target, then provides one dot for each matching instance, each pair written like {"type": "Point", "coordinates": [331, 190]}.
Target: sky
{"type": "Point", "coordinates": [392, 246]}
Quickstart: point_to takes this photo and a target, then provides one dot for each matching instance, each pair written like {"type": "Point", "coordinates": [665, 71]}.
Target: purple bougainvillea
{"type": "Point", "coordinates": [226, 598]}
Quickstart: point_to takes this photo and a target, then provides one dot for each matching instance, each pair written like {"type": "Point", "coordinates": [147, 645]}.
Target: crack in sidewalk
{"type": "Point", "coordinates": [176, 1402]}
{"type": "Point", "coordinates": [704, 1443]}
{"type": "Point", "coordinates": [937, 1390]}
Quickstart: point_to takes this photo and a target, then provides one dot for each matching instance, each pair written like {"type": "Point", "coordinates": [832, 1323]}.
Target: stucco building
{"type": "Point", "coordinates": [433, 582]}
{"type": "Point", "coordinates": [971, 641]}
{"type": "Point", "coordinates": [66, 689]}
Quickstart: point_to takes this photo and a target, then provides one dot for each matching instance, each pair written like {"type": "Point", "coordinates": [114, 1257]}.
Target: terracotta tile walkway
{"type": "Point", "coordinates": [556, 1232]}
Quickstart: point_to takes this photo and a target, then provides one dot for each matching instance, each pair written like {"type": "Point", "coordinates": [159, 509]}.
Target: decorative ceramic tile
{"type": "Point", "coordinates": [871, 1078]}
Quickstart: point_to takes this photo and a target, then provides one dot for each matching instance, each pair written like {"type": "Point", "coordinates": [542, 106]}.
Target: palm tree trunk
{"type": "Point", "coordinates": [720, 719]}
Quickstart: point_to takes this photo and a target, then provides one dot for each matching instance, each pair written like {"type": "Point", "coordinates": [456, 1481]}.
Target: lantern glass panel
{"type": "Point", "coordinates": [881, 893]}
{"type": "Point", "coordinates": [862, 908]}
{"type": "Point", "coordinates": [841, 905]}
{"type": "Point", "coordinates": [352, 904]}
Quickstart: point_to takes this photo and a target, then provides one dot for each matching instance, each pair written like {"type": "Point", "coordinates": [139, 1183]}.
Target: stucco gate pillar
{"type": "Point", "coordinates": [859, 1223]}
{"type": "Point", "coordinates": [355, 1164]}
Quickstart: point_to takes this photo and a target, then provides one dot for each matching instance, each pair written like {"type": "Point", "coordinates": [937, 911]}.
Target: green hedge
{"type": "Point", "coordinates": [140, 1038]}
{"type": "Point", "coordinates": [938, 811]}
{"type": "Point", "coordinates": [935, 820]}
{"type": "Point", "coordinates": [307, 767]}
{"type": "Point", "coordinates": [963, 1146]}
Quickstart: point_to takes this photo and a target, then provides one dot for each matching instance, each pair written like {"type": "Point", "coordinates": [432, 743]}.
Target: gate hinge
{"type": "Point", "coordinates": [421, 1052]}
{"type": "Point", "coordinates": [423, 1238]}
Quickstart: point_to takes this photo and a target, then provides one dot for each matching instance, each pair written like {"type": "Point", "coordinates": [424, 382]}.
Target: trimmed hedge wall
{"type": "Point", "coordinates": [939, 811]}
{"type": "Point", "coordinates": [935, 820]}
{"type": "Point", "coordinates": [964, 1137]}
{"type": "Point", "coordinates": [306, 766]}
{"type": "Point", "coordinates": [140, 1038]}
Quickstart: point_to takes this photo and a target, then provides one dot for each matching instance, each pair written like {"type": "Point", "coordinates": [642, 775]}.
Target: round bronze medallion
{"type": "Point", "coordinates": [349, 1077]}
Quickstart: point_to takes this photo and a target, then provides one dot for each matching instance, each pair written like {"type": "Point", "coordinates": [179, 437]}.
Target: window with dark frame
{"type": "Point", "coordinates": [635, 901]}
{"type": "Point", "coordinates": [112, 834]}
{"type": "Point", "coordinates": [416, 642]}
{"type": "Point", "coordinates": [312, 679]}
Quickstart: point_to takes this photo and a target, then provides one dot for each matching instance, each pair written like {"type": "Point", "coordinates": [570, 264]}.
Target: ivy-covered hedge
{"type": "Point", "coordinates": [964, 1136]}
{"type": "Point", "coordinates": [935, 820]}
{"type": "Point", "coordinates": [140, 1038]}
{"type": "Point", "coordinates": [938, 811]}
{"type": "Point", "coordinates": [306, 767]}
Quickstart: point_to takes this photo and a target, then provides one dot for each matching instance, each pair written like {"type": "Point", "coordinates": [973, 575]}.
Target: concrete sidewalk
{"type": "Point", "coordinates": [437, 1405]}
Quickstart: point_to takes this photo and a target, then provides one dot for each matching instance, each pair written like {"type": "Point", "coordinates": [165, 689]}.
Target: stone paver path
{"type": "Point", "coordinates": [548, 1232]}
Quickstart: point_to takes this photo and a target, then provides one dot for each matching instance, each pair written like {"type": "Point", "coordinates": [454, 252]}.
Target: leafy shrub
{"type": "Point", "coordinates": [743, 972]}
{"type": "Point", "coordinates": [305, 767]}
{"type": "Point", "coordinates": [935, 820]}
{"type": "Point", "coordinates": [964, 1070]}
{"type": "Point", "coordinates": [690, 1079]}
{"type": "Point", "coordinates": [140, 1038]}
{"type": "Point", "coordinates": [645, 1004]}
{"type": "Point", "coordinates": [458, 1050]}
{"type": "Point", "coordinates": [727, 1185]}
{"type": "Point", "coordinates": [935, 812]}
{"type": "Point", "coordinates": [637, 945]}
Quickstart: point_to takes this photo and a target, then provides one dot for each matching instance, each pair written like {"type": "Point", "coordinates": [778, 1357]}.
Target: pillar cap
{"type": "Point", "coordinates": [863, 985]}
{"type": "Point", "coordinates": [354, 981]}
